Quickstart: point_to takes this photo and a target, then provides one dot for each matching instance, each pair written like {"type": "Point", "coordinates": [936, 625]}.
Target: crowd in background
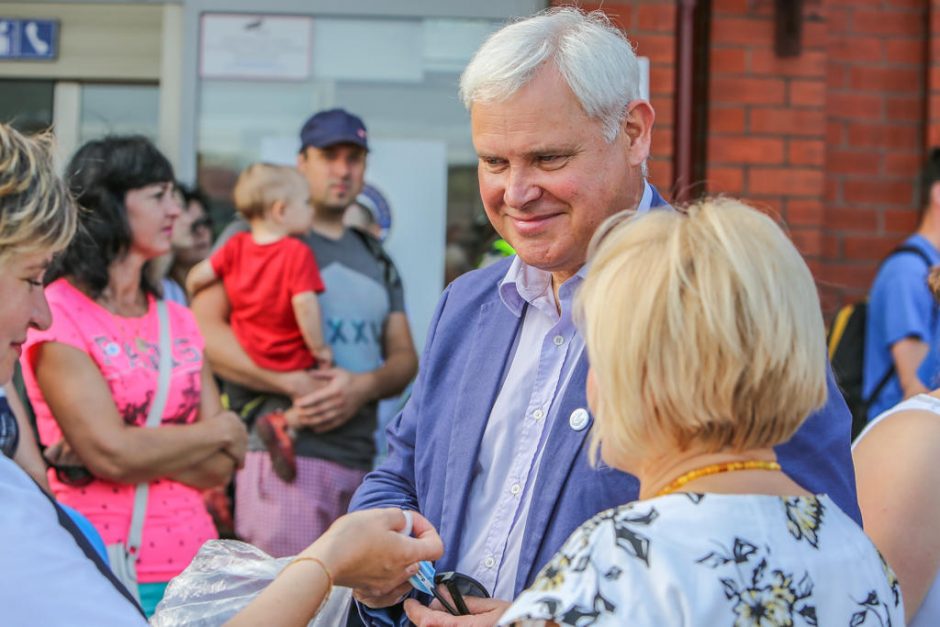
{"type": "Point", "coordinates": [658, 371]}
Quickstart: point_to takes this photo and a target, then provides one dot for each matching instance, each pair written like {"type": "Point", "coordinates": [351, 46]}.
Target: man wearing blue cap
{"type": "Point", "coordinates": [334, 410]}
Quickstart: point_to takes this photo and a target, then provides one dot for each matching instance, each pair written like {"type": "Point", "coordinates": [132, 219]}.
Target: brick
{"type": "Point", "coordinates": [933, 78]}
{"type": "Point", "coordinates": [659, 48]}
{"type": "Point", "coordinates": [663, 105]}
{"type": "Point", "coordinates": [903, 164]}
{"type": "Point", "coordinates": [808, 64]}
{"type": "Point", "coordinates": [725, 180]}
{"type": "Point", "coordinates": [839, 20]}
{"type": "Point", "coordinates": [896, 136]}
{"type": "Point", "coordinates": [747, 90]}
{"type": "Point", "coordinates": [785, 181]}
{"type": "Point", "coordinates": [849, 274]}
{"type": "Point", "coordinates": [728, 61]}
{"type": "Point", "coordinates": [741, 30]}
{"type": "Point", "coordinates": [833, 189]}
{"type": "Point", "coordinates": [662, 80]}
{"type": "Point", "coordinates": [745, 150]}
{"type": "Point", "coordinates": [864, 247]}
{"type": "Point", "coordinates": [905, 51]}
{"type": "Point", "coordinates": [856, 49]}
{"type": "Point", "coordinates": [837, 75]}
{"type": "Point", "coordinates": [806, 152]}
{"type": "Point", "coordinates": [864, 163]}
{"type": "Point", "coordinates": [805, 212]}
{"type": "Point", "coordinates": [732, 7]}
{"type": "Point", "coordinates": [725, 120]}
{"type": "Point", "coordinates": [835, 133]}
{"type": "Point", "coordinates": [661, 174]}
{"type": "Point", "coordinates": [656, 17]}
{"type": "Point", "coordinates": [905, 108]}
{"type": "Point", "coordinates": [807, 241]}
{"type": "Point", "coordinates": [885, 79]}
{"type": "Point", "coordinates": [781, 120]}
{"type": "Point", "coordinates": [662, 143]}
{"type": "Point", "coordinates": [854, 105]}
{"type": "Point", "coordinates": [900, 23]}
{"type": "Point", "coordinates": [852, 219]}
{"type": "Point", "coordinates": [901, 220]}
{"type": "Point", "coordinates": [880, 191]}
{"type": "Point", "coordinates": [815, 33]}
{"type": "Point", "coordinates": [806, 92]}
{"type": "Point", "coordinates": [832, 245]}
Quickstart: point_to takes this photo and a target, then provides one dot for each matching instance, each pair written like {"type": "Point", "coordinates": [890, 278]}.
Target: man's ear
{"type": "Point", "coordinates": [637, 125]}
{"type": "Point", "coordinates": [935, 195]}
{"type": "Point", "coordinates": [302, 160]}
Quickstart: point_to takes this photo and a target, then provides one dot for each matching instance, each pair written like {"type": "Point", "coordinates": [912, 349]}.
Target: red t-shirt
{"type": "Point", "coordinates": [260, 281]}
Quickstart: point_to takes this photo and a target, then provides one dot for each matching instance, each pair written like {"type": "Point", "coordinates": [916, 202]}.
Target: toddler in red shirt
{"type": "Point", "coordinates": [272, 281]}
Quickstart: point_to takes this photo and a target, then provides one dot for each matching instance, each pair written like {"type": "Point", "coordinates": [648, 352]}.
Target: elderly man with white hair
{"type": "Point", "coordinates": [493, 445]}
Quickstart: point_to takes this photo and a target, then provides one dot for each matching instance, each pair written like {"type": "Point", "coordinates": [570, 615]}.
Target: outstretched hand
{"type": "Point", "coordinates": [366, 550]}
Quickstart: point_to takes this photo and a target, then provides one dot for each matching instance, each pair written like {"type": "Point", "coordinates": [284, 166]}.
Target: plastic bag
{"type": "Point", "coordinates": [223, 578]}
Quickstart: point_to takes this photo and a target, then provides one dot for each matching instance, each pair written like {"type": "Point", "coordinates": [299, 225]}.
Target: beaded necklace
{"type": "Point", "coordinates": [715, 469]}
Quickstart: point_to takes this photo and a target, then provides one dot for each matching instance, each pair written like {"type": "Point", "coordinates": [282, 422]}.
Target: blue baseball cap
{"type": "Point", "coordinates": [331, 127]}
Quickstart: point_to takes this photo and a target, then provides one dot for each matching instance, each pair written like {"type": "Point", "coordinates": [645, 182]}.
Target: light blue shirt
{"type": "Point", "coordinates": [547, 350]}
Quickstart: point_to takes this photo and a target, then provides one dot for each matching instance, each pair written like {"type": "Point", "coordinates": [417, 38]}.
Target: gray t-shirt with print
{"type": "Point", "coordinates": [362, 289]}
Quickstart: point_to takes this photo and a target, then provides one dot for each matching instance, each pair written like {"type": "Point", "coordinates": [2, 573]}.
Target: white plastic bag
{"type": "Point", "coordinates": [223, 578]}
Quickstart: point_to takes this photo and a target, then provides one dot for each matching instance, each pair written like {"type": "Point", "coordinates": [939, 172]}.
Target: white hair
{"type": "Point", "coordinates": [594, 57]}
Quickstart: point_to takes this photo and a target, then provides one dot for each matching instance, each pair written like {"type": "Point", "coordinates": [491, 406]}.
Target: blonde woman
{"type": "Point", "coordinates": [706, 345]}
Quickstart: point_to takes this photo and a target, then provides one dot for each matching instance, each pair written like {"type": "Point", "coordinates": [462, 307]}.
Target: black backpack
{"type": "Point", "coordinates": [846, 341]}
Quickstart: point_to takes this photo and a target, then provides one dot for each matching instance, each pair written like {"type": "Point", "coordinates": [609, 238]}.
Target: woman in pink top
{"type": "Point", "coordinates": [92, 375]}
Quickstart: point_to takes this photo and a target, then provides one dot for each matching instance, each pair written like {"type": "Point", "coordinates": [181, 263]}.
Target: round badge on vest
{"type": "Point", "coordinates": [579, 419]}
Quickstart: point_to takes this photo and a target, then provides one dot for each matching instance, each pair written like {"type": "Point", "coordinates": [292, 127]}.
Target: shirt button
{"type": "Point", "coordinates": [515, 489]}
{"type": "Point", "coordinates": [489, 562]}
{"type": "Point", "coordinates": [538, 414]}
{"type": "Point", "coordinates": [558, 340]}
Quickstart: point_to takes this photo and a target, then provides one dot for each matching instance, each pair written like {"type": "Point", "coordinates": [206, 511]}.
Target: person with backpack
{"type": "Point", "coordinates": [902, 320]}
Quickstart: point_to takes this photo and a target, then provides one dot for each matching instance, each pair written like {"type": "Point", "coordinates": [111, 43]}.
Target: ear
{"type": "Point", "coordinates": [637, 125]}
{"type": "Point", "coordinates": [277, 210]}
{"type": "Point", "coordinates": [302, 160]}
{"type": "Point", "coordinates": [935, 194]}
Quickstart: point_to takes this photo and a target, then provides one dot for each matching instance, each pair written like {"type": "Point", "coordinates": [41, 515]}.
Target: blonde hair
{"type": "Point", "coordinates": [704, 329]}
{"type": "Point", "coordinates": [260, 185]}
{"type": "Point", "coordinates": [37, 212]}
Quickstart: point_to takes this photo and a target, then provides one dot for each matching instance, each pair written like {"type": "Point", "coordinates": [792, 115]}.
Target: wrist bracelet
{"type": "Point", "coordinates": [326, 571]}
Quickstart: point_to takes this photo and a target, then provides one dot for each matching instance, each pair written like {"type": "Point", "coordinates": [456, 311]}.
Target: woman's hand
{"type": "Point", "coordinates": [234, 435]}
{"type": "Point", "coordinates": [366, 550]}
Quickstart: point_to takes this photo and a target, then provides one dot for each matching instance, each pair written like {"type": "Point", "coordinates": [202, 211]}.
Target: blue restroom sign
{"type": "Point", "coordinates": [28, 40]}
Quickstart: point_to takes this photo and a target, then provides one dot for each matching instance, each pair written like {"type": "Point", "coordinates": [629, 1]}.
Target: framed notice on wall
{"type": "Point", "coordinates": [252, 47]}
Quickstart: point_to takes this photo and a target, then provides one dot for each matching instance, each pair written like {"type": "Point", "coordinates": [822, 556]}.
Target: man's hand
{"type": "Point", "coordinates": [377, 598]}
{"type": "Point", "coordinates": [333, 405]}
{"type": "Point", "coordinates": [483, 613]}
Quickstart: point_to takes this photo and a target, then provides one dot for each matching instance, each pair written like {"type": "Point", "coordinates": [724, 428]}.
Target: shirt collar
{"type": "Point", "coordinates": [527, 284]}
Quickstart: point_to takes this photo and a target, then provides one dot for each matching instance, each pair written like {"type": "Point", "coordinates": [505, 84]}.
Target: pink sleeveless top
{"type": "Point", "coordinates": [126, 351]}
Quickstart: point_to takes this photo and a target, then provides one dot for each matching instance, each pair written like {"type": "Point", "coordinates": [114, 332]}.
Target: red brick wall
{"type": "Point", "coordinates": [651, 25]}
{"type": "Point", "coordinates": [767, 118]}
{"type": "Point", "coordinates": [876, 70]}
{"type": "Point", "coordinates": [933, 77]}
{"type": "Point", "coordinates": [830, 140]}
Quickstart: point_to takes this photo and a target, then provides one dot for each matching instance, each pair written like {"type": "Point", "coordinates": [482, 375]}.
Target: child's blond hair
{"type": "Point", "coordinates": [260, 185]}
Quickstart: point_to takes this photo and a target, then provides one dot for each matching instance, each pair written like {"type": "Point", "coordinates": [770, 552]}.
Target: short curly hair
{"type": "Point", "coordinates": [37, 212]}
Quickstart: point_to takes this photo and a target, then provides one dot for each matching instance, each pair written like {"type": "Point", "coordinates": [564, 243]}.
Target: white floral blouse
{"type": "Point", "coordinates": [716, 559]}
